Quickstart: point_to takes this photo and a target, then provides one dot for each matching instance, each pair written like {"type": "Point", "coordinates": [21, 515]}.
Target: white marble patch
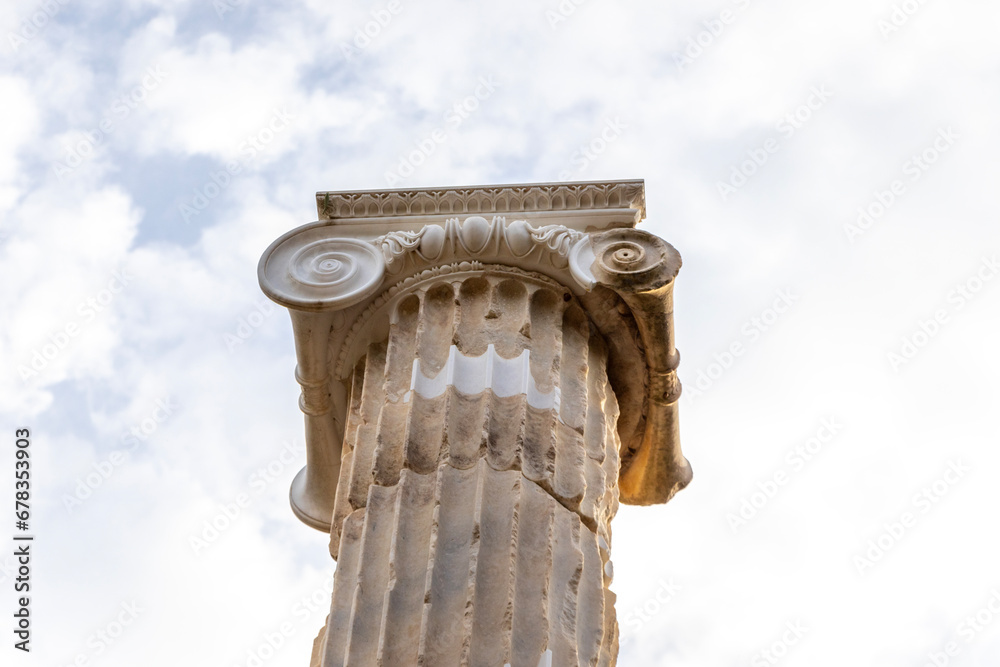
{"type": "Point", "coordinates": [473, 375]}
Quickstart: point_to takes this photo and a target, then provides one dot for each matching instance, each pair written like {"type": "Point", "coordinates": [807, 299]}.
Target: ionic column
{"type": "Point", "coordinates": [478, 395]}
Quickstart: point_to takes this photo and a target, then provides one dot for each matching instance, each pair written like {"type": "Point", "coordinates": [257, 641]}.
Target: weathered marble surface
{"type": "Point", "coordinates": [479, 395]}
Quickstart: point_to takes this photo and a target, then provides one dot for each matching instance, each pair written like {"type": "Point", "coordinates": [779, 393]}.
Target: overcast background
{"type": "Point", "coordinates": [158, 385]}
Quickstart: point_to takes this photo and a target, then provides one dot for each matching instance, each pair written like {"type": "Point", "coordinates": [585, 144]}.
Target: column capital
{"type": "Point", "coordinates": [332, 274]}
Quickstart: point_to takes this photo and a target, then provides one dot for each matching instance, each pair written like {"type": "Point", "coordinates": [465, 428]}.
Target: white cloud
{"type": "Point", "coordinates": [165, 335]}
{"type": "Point", "coordinates": [18, 129]}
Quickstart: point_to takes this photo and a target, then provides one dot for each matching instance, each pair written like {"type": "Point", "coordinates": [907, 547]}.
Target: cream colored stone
{"type": "Point", "coordinates": [479, 395]}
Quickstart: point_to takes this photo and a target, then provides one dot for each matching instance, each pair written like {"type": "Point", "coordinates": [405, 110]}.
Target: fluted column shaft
{"type": "Point", "coordinates": [478, 481]}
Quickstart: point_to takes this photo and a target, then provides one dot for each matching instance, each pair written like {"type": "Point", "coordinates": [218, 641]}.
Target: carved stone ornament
{"type": "Point", "coordinates": [587, 197]}
{"type": "Point", "coordinates": [486, 373]}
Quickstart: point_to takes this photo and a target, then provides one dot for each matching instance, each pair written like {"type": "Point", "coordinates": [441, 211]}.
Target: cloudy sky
{"type": "Point", "coordinates": [827, 170]}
